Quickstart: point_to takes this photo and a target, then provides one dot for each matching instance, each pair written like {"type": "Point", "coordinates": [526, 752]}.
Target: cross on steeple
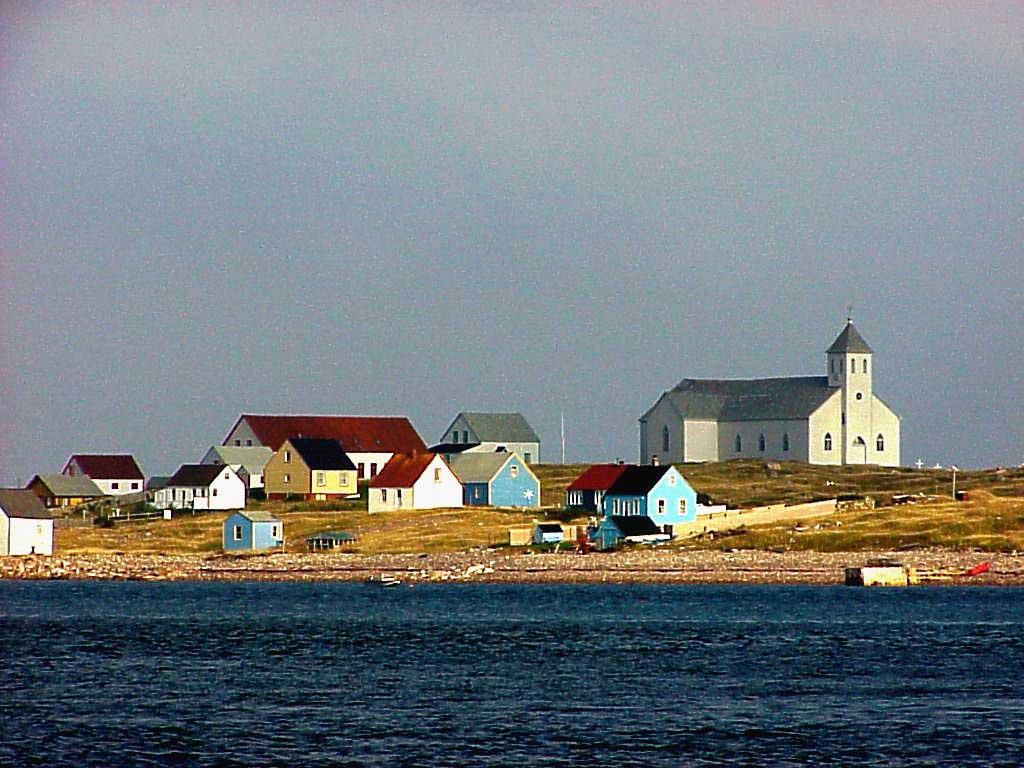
{"type": "Point", "coordinates": [849, 313]}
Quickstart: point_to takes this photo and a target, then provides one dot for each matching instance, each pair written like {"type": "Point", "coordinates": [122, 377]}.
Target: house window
{"type": "Point", "coordinates": [237, 533]}
{"type": "Point", "coordinates": [739, 444]}
{"type": "Point", "coordinates": [529, 457]}
{"type": "Point", "coordinates": [287, 478]}
{"type": "Point", "coordinates": [398, 496]}
{"type": "Point", "coordinates": [113, 486]}
{"type": "Point", "coordinates": [785, 441]}
{"type": "Point", "coordinates": [249, 442]}
{"type": "Point", "coordinates": [828, 441]}
{"type": "Point", "coordinates": [879, 443]}
{"type": "Point", "coordinates": [514, 470]}
{"type": "Point", "coordinates": [373, 470]}
{"type": "Point", "coordinates": [321, 479]}
{"type": "Point", "coordinates": [682, 506]}
{"type": "Point", "coordinates": [664, 439]}
{"type": "Point", "coordinates": [455, 436]}
{"type": "Point", "coordinates": [437, 474]}
{"type": "Point", "coordinates": [361, 469]}
{"type": "Point", "coordinates": [661, 506]}
{"type": "Point", "coordinates": [287, 457]}
{"type": "Point", "coordinates": [760, 442]}
{"type": "Point", "coordinates": [476, 492]}
{"type": "Point", "coordinates": [238, 442]}
{"type": "Point", "coordinates": [135, 486]}
{"type": "Point", "coordinates": [465, 436]}
{"type": "Point", "coordinates": [214, 492]}
{"type": "Point", "coordinates": [383, 494]}
{"type": "Point", "coordinates": [273, 531]}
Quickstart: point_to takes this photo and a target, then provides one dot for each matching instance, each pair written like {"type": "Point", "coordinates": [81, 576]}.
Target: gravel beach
{"type": "Point", "coordinates": [631, 566]}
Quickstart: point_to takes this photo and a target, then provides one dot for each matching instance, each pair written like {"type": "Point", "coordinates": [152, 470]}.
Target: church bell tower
{"type": "Point", "coordinates": [850, 368]}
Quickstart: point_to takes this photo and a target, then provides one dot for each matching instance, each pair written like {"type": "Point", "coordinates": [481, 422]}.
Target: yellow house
{"type": "Point", "coordinates": [310, 468]}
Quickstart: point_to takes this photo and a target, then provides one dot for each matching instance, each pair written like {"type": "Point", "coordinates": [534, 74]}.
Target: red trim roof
{"type": "Point", "coordinates": [599, 477]}
{"type": "Point", "coordinates": [402, 471]}
{"type": "Point", "coordinates": [106, 466]}
{"type": "Point", "coordinates": [358, 434]}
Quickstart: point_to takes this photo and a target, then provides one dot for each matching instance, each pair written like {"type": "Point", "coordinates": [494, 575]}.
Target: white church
{"type": "Point", "coordinates": [832, 419]}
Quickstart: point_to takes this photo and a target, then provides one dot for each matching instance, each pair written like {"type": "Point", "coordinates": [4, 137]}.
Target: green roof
{"type": "Point", "coordinates": [500, 427]}
{"type": "Point", "coordinates": [332, 535]}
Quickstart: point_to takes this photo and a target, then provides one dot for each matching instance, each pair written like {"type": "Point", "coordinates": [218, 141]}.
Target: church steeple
{"type": "Point", "coordinates": [850, 369]}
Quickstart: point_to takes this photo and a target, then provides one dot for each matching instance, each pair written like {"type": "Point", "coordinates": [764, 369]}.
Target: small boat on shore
{"type": "Point", "coordinates": [384, 580]}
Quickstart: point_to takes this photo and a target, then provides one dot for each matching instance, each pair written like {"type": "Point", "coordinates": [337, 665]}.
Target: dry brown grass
{"type": "Point", "coordinates": [993, 518]}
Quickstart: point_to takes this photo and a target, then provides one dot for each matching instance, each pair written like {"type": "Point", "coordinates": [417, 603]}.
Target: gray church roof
{"type": "Point", "coordinates": [795, 397]}
{"type": "Point", "coordinates": [849, 340]}
{"type": "Point", "coordinates": [501, 427]}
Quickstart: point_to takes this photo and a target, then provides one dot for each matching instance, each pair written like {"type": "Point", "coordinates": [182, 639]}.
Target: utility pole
{"type": "Point", "coordinates": [954, 468]}
{"type": "Point", "coordinates": [563, 437]}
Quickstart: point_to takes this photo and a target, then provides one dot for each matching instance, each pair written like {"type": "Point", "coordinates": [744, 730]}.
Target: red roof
{"type": "Point", "coordinates": [598, 478]}
{"type": "Point", "coordinates": [358, 434]}
{"type": "Point", "coordinates": [106, 466]}
{"type": "Point", "coordinates": [402, 471]}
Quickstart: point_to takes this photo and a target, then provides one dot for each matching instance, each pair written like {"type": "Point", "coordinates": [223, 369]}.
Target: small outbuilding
{"type": "Point", "coordinates": [252, 530]}
{"type": "Point", "coordinates": [548, 533]}
{"type": "Point", "coordinates": [26, 527]}
{"type": "Point", "coordinates": [638, 529]}
{"type": "Point", "coordinates": [330, 540]}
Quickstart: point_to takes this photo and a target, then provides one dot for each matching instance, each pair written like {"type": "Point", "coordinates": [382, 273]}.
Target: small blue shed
{"type": "Point", "coordinates": [249, 531]}
{"type": "Point", "coordinates": [496, 479]}
{"type": "Point", "coordinates": [548, 533]}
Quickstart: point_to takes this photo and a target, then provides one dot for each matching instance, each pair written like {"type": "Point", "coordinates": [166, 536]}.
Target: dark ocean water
{"type": "Point", "coordinates": [112, 674]}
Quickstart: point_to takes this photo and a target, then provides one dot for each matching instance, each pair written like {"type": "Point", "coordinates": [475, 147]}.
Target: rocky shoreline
{"type": "Point", "coordinates": [631, 566]}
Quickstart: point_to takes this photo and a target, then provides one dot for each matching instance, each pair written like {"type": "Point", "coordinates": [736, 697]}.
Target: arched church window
{"type": "Point", "coordinates": [785, 441]}
{"type": "Point", "coordinates": [760, 442]}
{"type": "Point", "coordinates": [879, 443]}
{"type": "Point", "coordinates": [739, 444]}
{"type": "Point", "coordinates": [828, 441]}
{"type": "Point", "coordinates": [864, 365]}
{"type": "Point", "coordinates": [859, 441]}
{"type": "Point", "coordinates": [664, 438]}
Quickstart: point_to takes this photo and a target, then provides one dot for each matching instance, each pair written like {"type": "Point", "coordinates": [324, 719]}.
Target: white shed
{"type": "Point", "coordinates": [26, 528]}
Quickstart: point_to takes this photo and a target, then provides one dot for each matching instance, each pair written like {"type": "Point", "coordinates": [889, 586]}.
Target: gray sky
{"type": "Point", "coordinates": [383, 209]}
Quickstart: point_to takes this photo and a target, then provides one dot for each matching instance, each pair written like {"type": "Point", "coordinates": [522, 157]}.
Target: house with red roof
{"type": "Point", "coordinates": [115, 474]}
{"type": "Point", "coordinates": [415, 481]}
{"type": "Point", "coordinates": [587, 491]}
{"type": "Point", "coordinates": [369, 441]}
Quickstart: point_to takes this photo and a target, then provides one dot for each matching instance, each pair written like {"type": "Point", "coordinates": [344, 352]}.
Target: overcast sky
{"type": "Point", "coordinates": [384, 209]}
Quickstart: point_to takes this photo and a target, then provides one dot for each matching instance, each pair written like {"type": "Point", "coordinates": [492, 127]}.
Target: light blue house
{"type": "Point", "coordinates": [496, 479]}
{"type": "Point", "coordinates": [253, 530]}
{"type": "Point", "coordinates": [660, 493]}
{"type": "Point", "coordinates": [548, 533]}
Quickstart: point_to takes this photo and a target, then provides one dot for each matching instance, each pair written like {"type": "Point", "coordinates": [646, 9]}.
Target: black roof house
{"type": "Point", "coordinates": [321, 453]}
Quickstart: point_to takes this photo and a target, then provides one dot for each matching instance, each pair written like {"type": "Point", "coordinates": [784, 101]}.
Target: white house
{"type": "Point", "coordinates": [416, 481]}
{"type": "Point", "coordinates": [832, 419]}
{"type": "Point", "coordinates": [247, 461]}
{"type": "Point", "coordinates": [114, 474]}
{"type": "Point", "coordinates": [202, 487]}
{"type": "Point", "coordinates": [475, 432]}
{"type": "Point", "coordinates": [26, 528]}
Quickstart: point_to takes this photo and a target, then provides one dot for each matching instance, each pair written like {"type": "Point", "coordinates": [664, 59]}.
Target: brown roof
{"type": "Point", "coordinates": [195, 475]}
{"type": "Point", "coordinates": [18, 502]}
{"type": "Point", "coordinates": [359, 434]}
{"type": "Point", "coordinates": [402, 471]}
{"type": "Point", "coordinates": [106, 466]}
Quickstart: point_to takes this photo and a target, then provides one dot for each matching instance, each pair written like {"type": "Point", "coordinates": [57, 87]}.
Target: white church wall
{"type": "Point", "coordinates": [700, 440]}
{"type": "Point", "coordinates": [827, 419]}
{"type": "Point", "coordinates": [774, 432]}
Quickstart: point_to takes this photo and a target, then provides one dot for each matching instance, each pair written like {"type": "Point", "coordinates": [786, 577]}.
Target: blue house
{"type": "Point", "coordinates": [496, 479]}
{"type": "Point", "coordinates": [253, 530]}
{"type": "Point", "coordinates": [660, 493]}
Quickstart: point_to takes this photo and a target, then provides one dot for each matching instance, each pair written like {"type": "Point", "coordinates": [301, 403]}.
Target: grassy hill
{"type": "Point", "coordinates": [992, 518]}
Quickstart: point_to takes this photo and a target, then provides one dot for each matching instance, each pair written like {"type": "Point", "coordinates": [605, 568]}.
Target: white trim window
{"type": "Point", "coordinates": [236, 533]}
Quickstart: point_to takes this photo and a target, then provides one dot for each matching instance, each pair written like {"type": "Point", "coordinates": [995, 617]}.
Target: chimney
{"type": "Point", "coordinates": [655, 461]}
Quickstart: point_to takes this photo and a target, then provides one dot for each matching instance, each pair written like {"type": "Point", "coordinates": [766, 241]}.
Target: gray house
{"type": "Point", "coordinates": [492, 432]}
